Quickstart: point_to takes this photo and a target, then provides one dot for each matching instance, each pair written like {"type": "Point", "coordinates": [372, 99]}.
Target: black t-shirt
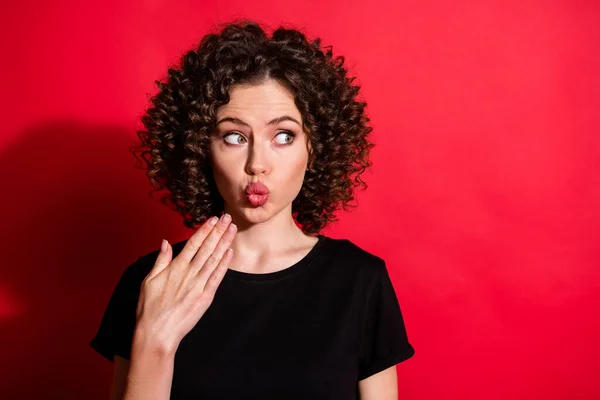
{"type": "Point", "coordinates": [309, 331]}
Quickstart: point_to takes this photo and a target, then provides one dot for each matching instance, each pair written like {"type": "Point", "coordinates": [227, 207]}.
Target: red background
{"type": "Point", "coordinates": [483, 199]}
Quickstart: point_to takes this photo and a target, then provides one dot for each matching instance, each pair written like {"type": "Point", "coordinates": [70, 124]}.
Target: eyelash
{"type": "Point", "coordinates": [289, 133]}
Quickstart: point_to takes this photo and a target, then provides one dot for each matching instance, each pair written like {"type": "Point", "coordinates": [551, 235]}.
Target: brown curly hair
{"type": "Point", "coordinates": [182, 115]}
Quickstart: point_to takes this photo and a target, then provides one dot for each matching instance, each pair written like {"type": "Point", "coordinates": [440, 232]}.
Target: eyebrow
{"type": "Point", "coordinates": [272, 122]}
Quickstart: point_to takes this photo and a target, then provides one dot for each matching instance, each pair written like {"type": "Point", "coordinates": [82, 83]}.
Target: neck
{"type": "Point", "coordinates": [257, 240]}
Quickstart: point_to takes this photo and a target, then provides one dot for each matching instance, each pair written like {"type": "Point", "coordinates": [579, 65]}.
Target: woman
{"type": "Point", "coordinates": [268, 134]}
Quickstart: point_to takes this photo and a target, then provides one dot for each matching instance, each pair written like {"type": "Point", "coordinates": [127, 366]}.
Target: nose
{"type": "Point", "coordinates": [257, 159]}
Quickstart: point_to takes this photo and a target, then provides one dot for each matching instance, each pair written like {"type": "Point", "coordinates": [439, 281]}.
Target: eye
{"type": "Point", "coordinates": [234, 140]}
{"type": "Point", "coordinates": [289, 139]}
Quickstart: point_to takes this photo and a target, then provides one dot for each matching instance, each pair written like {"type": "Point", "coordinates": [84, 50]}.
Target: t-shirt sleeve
{"type": "Point", "coordinates": [385, 342]}
{"type": "Point", "coordinates": [115, 334]}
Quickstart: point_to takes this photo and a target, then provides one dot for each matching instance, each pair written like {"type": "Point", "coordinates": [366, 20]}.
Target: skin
{"type": "Point", "coordinates": [266, 240]}
{"type": "Point", "coordinates": [267, 237]}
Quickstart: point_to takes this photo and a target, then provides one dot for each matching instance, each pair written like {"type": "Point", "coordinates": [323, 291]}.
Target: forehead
{"type": "Point", "coordinates": [265, 100]}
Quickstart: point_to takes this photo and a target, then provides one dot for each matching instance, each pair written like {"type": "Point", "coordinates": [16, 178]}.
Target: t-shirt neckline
{"type": "Point", "coordinates": [303, 263]}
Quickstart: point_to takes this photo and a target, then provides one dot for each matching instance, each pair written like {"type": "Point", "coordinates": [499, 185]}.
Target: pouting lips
{"type": "Point", "coordinates": [257, 188]}
{"type": "Point", "coordinates": [258, 199]}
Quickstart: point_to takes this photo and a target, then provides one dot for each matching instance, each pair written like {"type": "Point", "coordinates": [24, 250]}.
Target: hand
{"type": "Point", "coordinates": [176, 293]}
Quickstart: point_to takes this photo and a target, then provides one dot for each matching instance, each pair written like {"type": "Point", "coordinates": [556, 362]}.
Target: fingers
{"type": "Point", "coordinates": [195, 241]}
{"type": "Point", "coordinates": [163, 259]}
{"type": "Point", "coordinates": [207, 267]}
{"type": "Point", "coordinates": [210, 244]}
{"type": "Point", "coordinates": [216, 277]}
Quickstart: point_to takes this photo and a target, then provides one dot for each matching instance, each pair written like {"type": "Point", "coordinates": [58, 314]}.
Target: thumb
{"type": "Point", "coordinates": [163, 260]}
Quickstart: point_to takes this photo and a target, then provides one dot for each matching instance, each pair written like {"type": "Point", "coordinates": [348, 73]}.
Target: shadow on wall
{"type": "Point", "coordinates": [75, 212]}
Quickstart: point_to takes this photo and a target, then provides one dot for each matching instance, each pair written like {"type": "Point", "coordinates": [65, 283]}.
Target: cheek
{"type": "Point", "coordinates": [302, 163]}
{"type": "Point", "coordinates": [224, 173]}
{"type": "Point", "coordinates": [294, 177]}
{"type": "Point", "coordinates": [221, 162]}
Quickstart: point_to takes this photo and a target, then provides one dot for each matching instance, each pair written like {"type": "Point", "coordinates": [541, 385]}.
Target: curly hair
{"type": "Point", "coordinates": [174, 144]}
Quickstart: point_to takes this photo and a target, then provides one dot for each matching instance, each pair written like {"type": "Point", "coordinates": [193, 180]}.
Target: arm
{"type": "Point", "coordinates": [117, 388]}
{"type": "Point", "coordinates": [381, 386]}
{"type": "Point", "coordinates": [173, 297]}
{"type": "Point", "coordinates": [150, 372]}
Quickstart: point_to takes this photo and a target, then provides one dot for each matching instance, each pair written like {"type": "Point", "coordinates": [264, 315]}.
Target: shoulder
{"type": "Point", "coordinates": [357, 261]}
{"type": "Point", "coordinates": [352, 250]}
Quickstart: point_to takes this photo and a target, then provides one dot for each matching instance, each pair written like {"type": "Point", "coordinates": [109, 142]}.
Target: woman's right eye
{"type": "Point", "coordinates": [234, 140]}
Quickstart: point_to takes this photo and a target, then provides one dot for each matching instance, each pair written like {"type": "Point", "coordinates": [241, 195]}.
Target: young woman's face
{"type": "Point", "coordinates": [250, 145]}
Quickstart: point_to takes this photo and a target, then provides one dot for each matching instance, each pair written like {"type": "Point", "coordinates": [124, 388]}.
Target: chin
{"type": "Point", "coordinates": [257, 214]}
{"type": "Point", "coordinates": [250, 212]}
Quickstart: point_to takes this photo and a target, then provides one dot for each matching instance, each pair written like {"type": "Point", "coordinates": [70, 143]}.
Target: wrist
{"type": "Point", "coordinates": [147, 343]}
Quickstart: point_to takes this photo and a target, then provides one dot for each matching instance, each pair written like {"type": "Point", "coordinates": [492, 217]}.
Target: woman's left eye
{"type": "Point", "coordinates": [289, 134]}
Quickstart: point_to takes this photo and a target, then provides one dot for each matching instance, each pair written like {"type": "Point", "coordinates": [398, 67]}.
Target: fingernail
{"type": "Point", "coordinates": [163, 246]}
{"type": "Point", "coordinates": [232, 228]}
{"type": "Point", "coordinates": [213, 221]}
